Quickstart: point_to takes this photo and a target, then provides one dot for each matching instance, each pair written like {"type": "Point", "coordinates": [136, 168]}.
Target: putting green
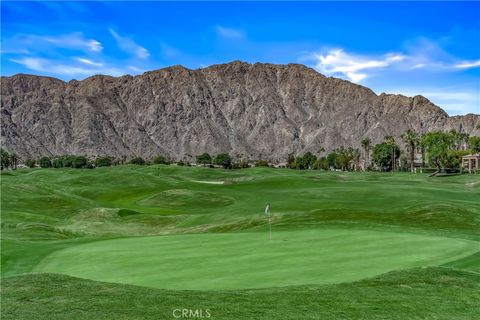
{"type": "Point", "coordinates": [250, 260]}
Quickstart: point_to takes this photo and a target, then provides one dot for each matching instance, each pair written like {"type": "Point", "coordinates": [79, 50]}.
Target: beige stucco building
{"type": "Point", "coordinates": [471, 162]}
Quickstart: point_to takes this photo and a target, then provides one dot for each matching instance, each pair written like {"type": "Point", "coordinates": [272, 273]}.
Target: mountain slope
{"type": "Point", "coordinates": [253, 110]}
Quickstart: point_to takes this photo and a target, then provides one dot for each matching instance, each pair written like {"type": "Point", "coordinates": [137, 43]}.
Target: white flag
{"type": "Point", "coordinates": [267, 209]}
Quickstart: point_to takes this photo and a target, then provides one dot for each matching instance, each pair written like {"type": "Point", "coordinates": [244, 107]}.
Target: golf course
{"type": "Point", "coordinates": [137, 242]}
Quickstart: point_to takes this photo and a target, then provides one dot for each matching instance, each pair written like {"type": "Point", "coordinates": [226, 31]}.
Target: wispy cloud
{"type": "Point", "coordinates": [89, 62]}
{"type": "Point", "coordinates": [454, 100]}
{"type": "Point", "coordinates": [75, 40]}
{"type": "Point", "coordinates": [231, 33]}
{"type": "Point", "coordinates": [427, 54]}
{"type": "Point", "coordinates": [76, 67]}
{"type": "Point", "coordinates": [130, 46]}
{"type": "Point", "coordinates": [422, 62]}
{"type": "Point", "coordinates": [33, 42]}
{"type": "Point", "coordinates": [354, 67]}
{"type": "Point", "coordinates": [421, 54]}
{"type": "Point", "coordinates": [71, 55]}
{"type": "Point", "coordinates": [468, 64]}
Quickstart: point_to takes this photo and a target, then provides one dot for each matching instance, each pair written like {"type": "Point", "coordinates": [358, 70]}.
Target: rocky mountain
{"type": "Point", "coordinates": [251, 110]}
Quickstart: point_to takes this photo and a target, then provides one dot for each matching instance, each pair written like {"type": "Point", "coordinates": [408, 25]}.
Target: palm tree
{"type": "Point", "coordinates": [464, 137]}
{"type": "Point", "coordinates": [14, 160]}
{"type": "Point", "coordinates": [355, 155]}
{"type": "Point", "coordinates": [366, 144]}
{"type": "Point", "coordinates": [390, 140]}
{"type": "Point", "coordinates": [411, 140]}
{"type": "Point", "coordinates": [421, 143]}
{"type": "Point", "coordinates": [456, 138]}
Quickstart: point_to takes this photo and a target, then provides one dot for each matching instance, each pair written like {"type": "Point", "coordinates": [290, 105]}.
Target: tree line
{"type": "Point", "coordinates": [437, 150]}
{"type": "Point", "coordinates": [440, 150]}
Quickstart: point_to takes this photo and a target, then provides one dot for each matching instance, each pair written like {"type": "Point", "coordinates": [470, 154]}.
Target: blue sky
{"type": "Point", "coordinates": [426, 48]}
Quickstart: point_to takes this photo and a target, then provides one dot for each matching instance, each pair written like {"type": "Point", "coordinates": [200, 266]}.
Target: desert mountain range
{"type": "Point", "coordinates": [249, 110]}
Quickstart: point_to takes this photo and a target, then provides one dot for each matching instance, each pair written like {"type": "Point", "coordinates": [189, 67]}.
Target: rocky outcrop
{"type": "Point", "coordinates": [251, 110]}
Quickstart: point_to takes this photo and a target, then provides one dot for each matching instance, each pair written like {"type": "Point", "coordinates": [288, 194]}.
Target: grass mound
{"type": "Point", "coordinates": [127, 212]}
{"type": "Point", "coordinates": [421, 293]}
{"type": "Point", "coordinates": [187, 200]}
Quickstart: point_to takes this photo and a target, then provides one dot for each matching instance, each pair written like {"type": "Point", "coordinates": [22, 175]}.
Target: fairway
{"type": "Point", "coordinates": [162, 237]}
{"type": "Point", "coordinates": [250, 260]}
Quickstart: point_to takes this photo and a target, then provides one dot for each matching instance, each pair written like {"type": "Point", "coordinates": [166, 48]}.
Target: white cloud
{"type": "Point", "coordinates": [467, 64]}
{"type": "Point", "coordinates": [230, 33]}
{"type": "Point", "coordinates": [31, 44]}
{"type": "Point", "coordinates": [73, 41]}
{"type": "Point", "coordinates": [45, 54]}
{"type": "Point", "coordinates": [422, 54]}
{"type": "Point", "coordinates": [455, 101]}
{"type": "Point", "coordinates": [426, 54]}
{"type": "Point", "coordinates": [355, 67]}
{"type": "Point", "coordinates": [36, 64]}
{"type": "Point", "coordinates": [66, 69]}
{"type": "Point", "coordinates": [129, 45]}
{"type": "Point", "coordinates": [89, 62]}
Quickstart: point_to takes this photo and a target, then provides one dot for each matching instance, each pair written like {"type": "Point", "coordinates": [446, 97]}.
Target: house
{"type": "Point", "coordinates": [471, 162]}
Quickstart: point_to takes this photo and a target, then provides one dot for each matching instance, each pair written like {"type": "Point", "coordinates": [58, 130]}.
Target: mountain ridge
{"type": "Point", "coordinates": [259, 110]}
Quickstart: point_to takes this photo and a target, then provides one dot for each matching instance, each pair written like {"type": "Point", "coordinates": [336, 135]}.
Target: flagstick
{"type": "Point", "coordinates": [270, 225]}
{"type": "Point", "coordinates": [267, 212]}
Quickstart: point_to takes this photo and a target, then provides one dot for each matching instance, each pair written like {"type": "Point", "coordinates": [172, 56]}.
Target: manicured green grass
{"type": "Point", "coordinates": [199, 228]}
{"type": "Point", "coordinates": [251, 260]}
{"type": "Point", "coordinates": [427, 293]}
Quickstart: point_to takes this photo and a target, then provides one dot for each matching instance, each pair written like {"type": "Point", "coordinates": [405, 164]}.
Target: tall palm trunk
{"type": "Point", "coordinates": [412, 156]}
{"type": "Point", "coordinates": [423, 156]}
{"type": "Point", "coordinates": [393, 158]}
{"type": "Point", "coordinates": [367, 157]}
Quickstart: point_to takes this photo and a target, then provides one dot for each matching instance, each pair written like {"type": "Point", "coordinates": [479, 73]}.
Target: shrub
{"type": "Point", "coordinates": [30, 163]}
{"type": "Point", "coordinates": [321, 164]}
{"type": "Point", "coordinates": [305, 162]}
{"type": "Point", "coordinates": [103, 161]}
{"type": "Point", "coordinates": [261, 163]}
{"type": "Point", "coordinates": [57, 163]}
{"type": "Point", "coordinates": [67, 161]}
{"type": "Point", "coordinates": [160, 160]}
{"type": "Point", "coordinates": [138, 161]}
{"type": "Point", "coordinates": [204, 159]}
{"type": "Point", "coordinates": [5, 159]}
{"type": "Point", "coordinates": [454, 158]}
{"type": "Point", "coordinates": [240, 165]}
{"type": "Point", "coordinates": [45, 162]}
{"type": "Point", "coordinates": [180, 163]}
{"type": "Point", "coordinates": [224, 160]}
{"type": "Point", "coordinates": [79, 162]}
